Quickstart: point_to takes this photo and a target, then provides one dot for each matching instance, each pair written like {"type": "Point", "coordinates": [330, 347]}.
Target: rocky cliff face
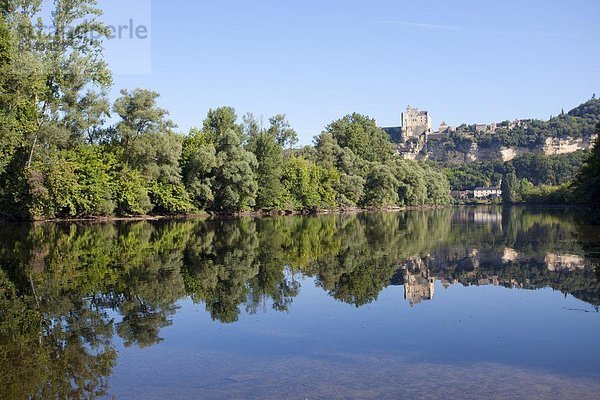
{"type": "Point", "coordinates": [439, 151]}
{"type": "Point", "coordinates": [555, 146]}
{"type": "Point", "coordinates": [505, 141]}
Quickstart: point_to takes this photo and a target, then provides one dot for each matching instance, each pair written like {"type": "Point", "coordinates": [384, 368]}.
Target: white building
{"type": "Point", "coordinates": [487, 192]}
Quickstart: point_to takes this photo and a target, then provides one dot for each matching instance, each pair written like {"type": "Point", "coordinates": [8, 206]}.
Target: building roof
{"type": "Point", "coordinates": [488, 188]}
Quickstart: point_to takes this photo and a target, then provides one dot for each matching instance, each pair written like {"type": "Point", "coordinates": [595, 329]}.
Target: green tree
{"type": "Point", "coordinates": [131, 193]}
{"type": "Point", "coordinates": [21, 81]}
{"type": "Point", "coordinates": [51, 89]}
{"type": "Point", "coordinates": [328, 151]}
{"type": "Point", "coordinates": [282, 131]}
{"type": "Point", "coordinates": [310, 186]}
{"type": "Point", "coordinates": [17, 112]}
{"type": "Point", "coordinates": [67, 59]}
{"type": "Point", "coordinates": [438, 187]}
{"type": "Point", "coordinates": [140, 117]}
{"type": "Point", "coordinates": [381, 187]}
{"type": "Point", "coordinates": [217, 167]}
{"type": "Point", "coordinates": [86, 122]}
{"type": "Point", "coordinates": [511, 188]}
{"type": "Point", "coordinates": [234, 186]}
{"type": "Point", "coordinates": [586, 187]}
{"type": "Point", "coordinates": [219, 122]}
{"type": "Point", "coordinates": [146, 143]}
{"type": "Point", "coordinates": [412, 184]}
{"type": "Point", "coordinates": [350, 190]}
{"type": "Point", "coordinates": [199, 162]}
{"type": "Point", "coordinates": [269, 155]}
{"type": "Point", "coordinates": [361, 134]}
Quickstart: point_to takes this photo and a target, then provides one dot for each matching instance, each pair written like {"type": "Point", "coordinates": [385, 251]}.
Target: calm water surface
{"type": "Point", "coordinates": [454, 303]}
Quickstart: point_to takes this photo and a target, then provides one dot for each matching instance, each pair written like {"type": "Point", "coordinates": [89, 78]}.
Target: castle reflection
{"type": "Point", "coordinates": [61, 285]}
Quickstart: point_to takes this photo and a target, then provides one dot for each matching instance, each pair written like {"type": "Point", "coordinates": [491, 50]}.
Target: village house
{"type": "Point", "coordinates": [460, 194]}
{"type": "Point", "coordinates": [487, 192]}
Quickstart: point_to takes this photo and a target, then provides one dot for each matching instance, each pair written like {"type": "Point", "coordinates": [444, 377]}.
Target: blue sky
{"type": "Point", "coordinates": [464, 61]}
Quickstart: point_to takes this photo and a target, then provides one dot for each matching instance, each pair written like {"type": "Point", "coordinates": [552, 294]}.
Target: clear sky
{"type": "Point", "coordinates": [315, 60]}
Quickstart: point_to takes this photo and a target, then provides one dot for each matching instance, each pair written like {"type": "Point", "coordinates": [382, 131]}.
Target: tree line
{"type": "Point", "coordinates": [59, 156]}
{"type": "Point", "coordinates": [580, 122]}
{"type": "Point", "coordinates": [70, 292]}
{"type": "Point", "coordinates": [532, 178]}
{"type": "Point", "coordinates": [583, 188]}
{"type": "Point", "coordinates": [538, 169]}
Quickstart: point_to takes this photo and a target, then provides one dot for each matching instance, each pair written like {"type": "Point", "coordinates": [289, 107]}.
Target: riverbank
{"type": "Point", "coordinates": [225, 215]}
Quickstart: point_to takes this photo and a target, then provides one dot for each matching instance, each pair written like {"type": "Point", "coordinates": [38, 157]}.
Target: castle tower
{"type": "Point", "coordinates": [415, 123]}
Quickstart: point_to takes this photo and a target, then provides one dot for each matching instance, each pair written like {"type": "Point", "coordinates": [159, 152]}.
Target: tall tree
{"type": "Point", "coordinates": [235, 184]}
{"type": "Point", "coordinates": [44, 86]}
{"type": "Point", "coordinates": [328, 151]}
{"type": "Point", "coordinates": [282, 131]}
{"type": "Point", "coordinates": [511, 188]}
{"type": "Point", "coordinates": [586, 188]}
{"type": "Point", "coordinates": [198, 163]}
{"type": "Point", "coordinates": [361, 134]}
{"type": "Point", "coordinates": [140, 116]}
{"type": "Point", "coordinates": [219, 122]}
{"type": "Point", "coordinates": [67, 59]}
{"type": "Point", "coordinates": [9, 135]}
{"type": "Point", "coordinates": [147, 144]}
{"type": "Point", "coordinates": [269, 156]}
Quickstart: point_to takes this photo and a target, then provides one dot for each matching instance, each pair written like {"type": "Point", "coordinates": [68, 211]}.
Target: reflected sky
{"type": "Point", "coordinates": [470, 338]}
{"type": "Point", "coordinates": [493, 302]}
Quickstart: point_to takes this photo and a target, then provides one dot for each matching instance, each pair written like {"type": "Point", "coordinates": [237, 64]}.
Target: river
{"type": "Point", "coordinates": [452, 303]}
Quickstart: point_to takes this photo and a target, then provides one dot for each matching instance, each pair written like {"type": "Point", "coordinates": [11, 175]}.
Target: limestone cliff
{"type": "Point", "coordinates": [438, 150]}
{"type": "Point", "coordinates": [505, 141]}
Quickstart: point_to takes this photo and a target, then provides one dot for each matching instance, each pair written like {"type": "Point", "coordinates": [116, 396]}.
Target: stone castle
{"type": "Point", "coordinates": [415, 123]}
{"type": "Point", "coordinates": [416, 140]}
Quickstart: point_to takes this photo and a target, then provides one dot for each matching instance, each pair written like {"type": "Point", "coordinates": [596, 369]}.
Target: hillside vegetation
{"type": "Point", "coordinates": [532, 166]}
{"type": "Point", "coordinates": [583, 189]}
{"type": "Point", "coordinates": [578, 123]}
{"type": "Point", "coordinates": [536, 168]}
{"type": "Point", "coordinates": [586, 187]}
{"type": "Point", "coordinates": [60, 158]}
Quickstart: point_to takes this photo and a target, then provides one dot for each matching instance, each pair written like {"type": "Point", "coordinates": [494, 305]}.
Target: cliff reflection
{"type": "Point", "coordinates": [68, 291]}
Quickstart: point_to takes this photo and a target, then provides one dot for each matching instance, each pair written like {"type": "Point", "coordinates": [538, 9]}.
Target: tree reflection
{"type": "Point", "coordinates": [47, 355]}
{"type": "Point", "coordinates": [219, 264]}
{"type": "Point", "coordinates": [67, 290]}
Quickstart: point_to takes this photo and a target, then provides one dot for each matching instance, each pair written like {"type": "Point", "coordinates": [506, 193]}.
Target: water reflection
{"type": "Point", "coordinates": [67, 291]}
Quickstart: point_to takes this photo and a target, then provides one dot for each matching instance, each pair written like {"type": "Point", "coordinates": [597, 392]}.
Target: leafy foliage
{"type": "Point", "coordinates": [361, 134]}
{"type": "Point", "coordinates": [310, 186]}
{"type": "Point", "coordinates": [235, 185]}
{"type": "Point", "coordinates": [60, 158]}
{"type": "Point", "coordinates": [69, 293]}
{"type": "Point", "coordinates": [536, 168]}
{"type": "Point", "coordinates": [577, 123]}
{"type": "Point", "coordinates": [586, 187]}
{"type": "Point", "coordinates": [269, 155]}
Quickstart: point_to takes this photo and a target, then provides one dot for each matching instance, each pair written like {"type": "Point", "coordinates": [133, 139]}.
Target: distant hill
{"type": "Point", "coordinates": [504, 141]}
{"type": "Point", "coordinates": [578, 123]}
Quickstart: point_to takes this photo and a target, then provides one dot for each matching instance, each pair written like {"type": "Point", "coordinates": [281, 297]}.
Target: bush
{"type": "Point", "coordinates": [381, 187]}
{"type": "Point", "coordinates": [132, 194]}
{"type": "Point", "coordinates": [170, 198]}
{"type": "Point", "coordinates": [309, 186]}
{"type": "Point", "coordinates": [95, 172]}
{"type": "Point", "coordinates": [53, 188]}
